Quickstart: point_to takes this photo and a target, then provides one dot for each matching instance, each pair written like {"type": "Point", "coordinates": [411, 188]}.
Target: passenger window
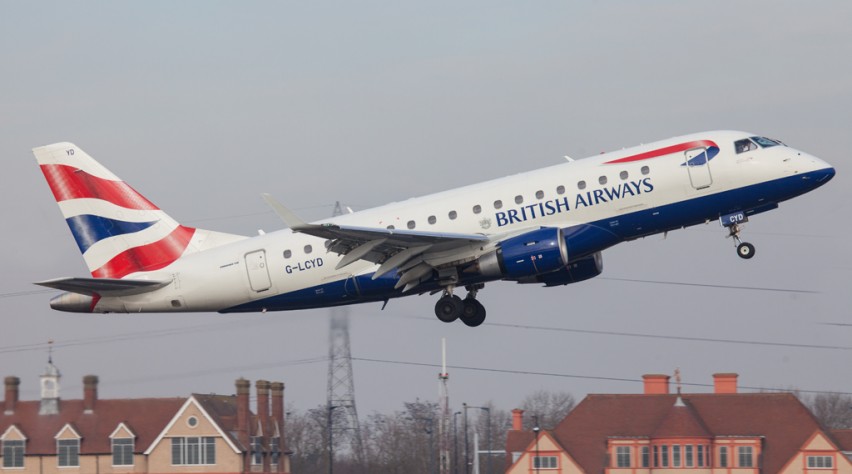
{"type": "Point", "coordinates": [539, 194]}
{"type": "Point", "coordinates": [744, 145]}
{"type": "Point", "coordinates": [498, 204]}
{"type": "Point", "coordinates": [308, 249]}
{"type": "Point", "coordinates": [288, 254]}
{"type": "Point", "coordinates": [453, 215]}
{"type": "Point", "coordinates": [602, 180]}
{"type": "Point", "coordinates": [411, 224]}
{"type": "Point", "coordinates": [477, 209]}
{"type": "Point", "coordinates": [560, 189]}
{"type": "Point", "coordinates": [623, 175]}
{"type": "Point", "coordinates": [581, 185]}
{"type": "Point", "coordinates": [519, 199]}
{"type": "Point", "coordinates": [432, 219]}
{"type": "Point", "coordinates": [645, 170]}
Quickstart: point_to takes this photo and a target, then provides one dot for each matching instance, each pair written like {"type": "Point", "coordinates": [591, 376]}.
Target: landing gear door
{"type": "Point", "coordinates": [258, 273]}
{"type": "Point", "coordinates": [698, 168]}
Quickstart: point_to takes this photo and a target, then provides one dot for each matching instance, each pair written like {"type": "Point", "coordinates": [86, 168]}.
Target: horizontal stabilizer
{"type": "Point", "coordinates": [103, 286]}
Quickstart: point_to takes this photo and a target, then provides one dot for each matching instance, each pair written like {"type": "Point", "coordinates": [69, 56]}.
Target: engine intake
{"type": "Point", "coordinates": [537, 252]}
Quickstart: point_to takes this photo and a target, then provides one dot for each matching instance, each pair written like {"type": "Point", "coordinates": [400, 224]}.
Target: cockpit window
{"type": "Point", "coordinates": [744, 145]}
{"type": "Point", "coordinates": [766, 142]}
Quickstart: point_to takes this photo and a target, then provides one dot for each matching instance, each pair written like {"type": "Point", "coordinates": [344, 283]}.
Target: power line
{"type": "Point", "coordinates": [573, 376]}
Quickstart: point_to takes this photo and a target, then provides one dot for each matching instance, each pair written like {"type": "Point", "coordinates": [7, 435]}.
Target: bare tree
{"type": "Point", "coordinates": [833, 410]}
{"type": "Point", "coordinates": [549, 407]}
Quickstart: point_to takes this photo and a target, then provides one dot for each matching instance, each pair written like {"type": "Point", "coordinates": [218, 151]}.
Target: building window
{"type": "Point", "coordinates": [676, 455]}
{"type": "Point", "coordinates": [256, 450]}
{"type": "Point", "coordinates": [193, 450]}
{"type": "Point", "coordinates": [646, 457]}
{"type": "Point", "coordinates": [688, 455]}
{"type": "Point", "coordinates": [622, 456]}
{"type": "Point", "coordinates": [274, 450]}
{"type": "Point", "coordinates": [545, 462]}
{"type": "Point", "coordinates": [665, 455]}
{"type": "Point", "coordinates": [723, 456]}
{"type": "Point", "coordinates": [432, 219]}
{"type": "Point", "coordinates": [68, 451]}
{"type": "Point", "coordinates": [820, 462]}
{"type": "Point", "coordinates": [452, 215]}
{"type": "Point", "coordinates": [13, 453]}
{"type": "Point", "coordinates": [745, 456]}
{"type": "Point", "coordinates": [122, 452]}
{"type": "Point", "coordinates": [560, 189]}
{"type": "Point", "coordinates": [700, 455]}
{"type": "Point", "coordinates": [656, 456]}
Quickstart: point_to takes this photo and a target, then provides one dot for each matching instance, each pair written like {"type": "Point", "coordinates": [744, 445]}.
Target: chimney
{"type": "Point", "coordinates": [277, 392]}
{"type": "Point", "coordinates": [517, 419]}
{"type": "Point", "coordinates": [90, 393]}
{"type": "Point", "coordinates": [656, 384]}
{"type": "Point", "coordinates": [243, 387]}
{"type": "Point", "coordinates": [12, 384]}
{"type": "Point", "coordinates": [725, 383]}
{"type": "Point", "coordinates": [262, 387]}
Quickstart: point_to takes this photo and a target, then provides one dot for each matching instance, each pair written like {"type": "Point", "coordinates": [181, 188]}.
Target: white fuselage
{"type": "Point", "coordinates": [627, 194]}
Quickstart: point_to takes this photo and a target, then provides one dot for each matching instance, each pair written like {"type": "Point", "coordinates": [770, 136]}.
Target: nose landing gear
{"type": "Point", "coordinates": [744, 249]}
{"type": "Point", "coordinates": [450, 307]}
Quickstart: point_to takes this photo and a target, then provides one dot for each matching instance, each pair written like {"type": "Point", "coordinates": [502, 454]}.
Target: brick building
{"type": "Point", "coordinates": [198, 434]}
{"type": "Point", "coordinates": [657, 431]}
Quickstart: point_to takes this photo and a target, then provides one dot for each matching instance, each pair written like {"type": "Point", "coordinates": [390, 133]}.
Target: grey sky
{"type": "Point", "coordinates": [201, 106]}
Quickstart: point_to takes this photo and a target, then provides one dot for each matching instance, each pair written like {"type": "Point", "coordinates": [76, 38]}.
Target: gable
{"type": "Point", "coordinates": [819, 443]}
{"type": "Point", "coordinates": [12, 433]}
{"type": "Point", "coordinates": [192, 420]}
{"type": "Point", "coordinates": [122, 431]}
{"type": "Point", "coordinates": [67, 432]}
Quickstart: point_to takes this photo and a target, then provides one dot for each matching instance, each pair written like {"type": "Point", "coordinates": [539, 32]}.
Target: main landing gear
{"type": "Point", "coordinates": [744, 249]}
{"type": "Point", "coordinates": [450, 307]}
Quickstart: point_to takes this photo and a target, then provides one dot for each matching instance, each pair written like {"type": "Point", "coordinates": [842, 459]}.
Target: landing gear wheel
{"type": "Point", "coordinates": [745, 250]}
{"type": "Point", "coordinates": [473, 313]}
{"type": "Point", "coordinates": [449, 308]}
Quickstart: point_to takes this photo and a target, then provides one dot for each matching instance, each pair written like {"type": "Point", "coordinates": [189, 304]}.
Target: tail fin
{"type": "Point", "coordinates": [118, 231]}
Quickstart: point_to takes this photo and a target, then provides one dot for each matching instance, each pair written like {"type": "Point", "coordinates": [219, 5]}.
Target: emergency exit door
{"type": "Point", "coordinates": [258, 273]}
{"type": "Point", "coordinates": [698, 168]}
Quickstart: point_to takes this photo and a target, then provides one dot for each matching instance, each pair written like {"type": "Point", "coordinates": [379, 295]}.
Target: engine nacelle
{"type": "Point", "coordinates": [582, 269]}
{"type": "Point", "coordinates": [72, 303]}
{"type": "Point", "coordinates": [534, 253]}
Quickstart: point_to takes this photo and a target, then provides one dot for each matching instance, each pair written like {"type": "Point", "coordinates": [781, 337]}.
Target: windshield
{"type": "Point", "coordinates": [766, 142]}
{"type": "Point", "coordinates": [744, 145]}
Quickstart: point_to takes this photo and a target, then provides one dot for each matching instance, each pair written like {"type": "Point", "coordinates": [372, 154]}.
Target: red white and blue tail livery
{"type": "Point", "coordinates": [546, 226]}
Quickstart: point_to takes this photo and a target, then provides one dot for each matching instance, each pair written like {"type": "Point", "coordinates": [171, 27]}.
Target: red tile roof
{"type": "Point", "coordinates": [146, 417]}
{"type": "Point", "coordinates": [780, 418]}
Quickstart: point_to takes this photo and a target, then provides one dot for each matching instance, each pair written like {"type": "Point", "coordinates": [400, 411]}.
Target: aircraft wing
{"type": "Point", "coordinates": [414, 254]}
{"type": "Point", "coordinates": [103, 286]}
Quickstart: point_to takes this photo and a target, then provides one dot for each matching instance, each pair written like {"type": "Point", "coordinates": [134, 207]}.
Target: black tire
{"type": "Point", "coordinates": [745, 250]}
{"type": "Point", "coordinates": [449, 308]}
{"type": "Point", "coordinates": [473, 313]}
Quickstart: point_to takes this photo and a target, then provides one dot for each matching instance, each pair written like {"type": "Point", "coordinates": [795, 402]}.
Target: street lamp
{"type": "Point", "coordinates": [331, 439]}
{"type": "Point", "coordinates": [455, 443]}
{"type": "Point", "coordinates": [488, 430]}
{"type": "Point", "coordinates": [536, 460]}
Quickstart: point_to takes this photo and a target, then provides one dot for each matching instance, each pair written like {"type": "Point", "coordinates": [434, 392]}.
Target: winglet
{"type": "Point", "coordinates": [292, 220]}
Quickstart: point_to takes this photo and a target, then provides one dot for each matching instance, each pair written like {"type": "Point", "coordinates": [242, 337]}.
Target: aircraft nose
{"type": "Point", "coordinates": [824, 175]}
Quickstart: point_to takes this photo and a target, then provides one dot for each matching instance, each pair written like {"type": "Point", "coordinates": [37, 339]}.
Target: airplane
{"type": "Point", "coordinates": [548, 226]}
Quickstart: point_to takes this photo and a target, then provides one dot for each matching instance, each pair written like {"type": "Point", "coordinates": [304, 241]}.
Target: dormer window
{"type": "Point", "coordinates": [13, 453]}
{"type": "Point", "coordinates": [68, 452]}
{"type": "Point", "coordinates": [122, 452]}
